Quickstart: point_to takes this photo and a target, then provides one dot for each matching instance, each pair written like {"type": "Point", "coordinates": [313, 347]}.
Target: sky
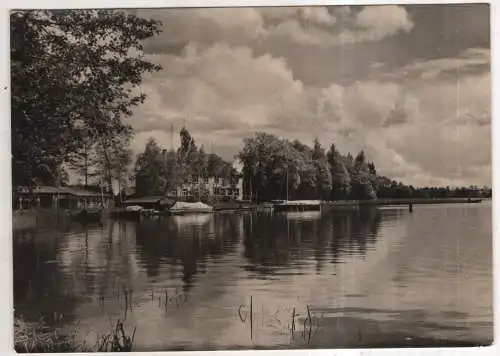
{"type": "Point", "coordinates": [409, 85]}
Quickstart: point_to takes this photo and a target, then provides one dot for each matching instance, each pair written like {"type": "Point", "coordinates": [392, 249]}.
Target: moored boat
{"type": "Point", "coordinates": [190, 208]}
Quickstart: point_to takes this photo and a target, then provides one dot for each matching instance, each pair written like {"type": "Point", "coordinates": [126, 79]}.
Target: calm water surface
{"type": "Point", "coordinates": [374, 277]}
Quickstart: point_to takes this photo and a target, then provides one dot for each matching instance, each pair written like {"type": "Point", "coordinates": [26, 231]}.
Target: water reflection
{"type": "Point", "coordinates": [41, 288]}
{"type": "Point", "coordinates": [59, 269]}
{"type": "Point", "coordinates": [360, 263]}
{"type": "Point", "coordinates": [186, 241]}
{"type": "Point", "coordinates": [302, 215]}
{"type": "Point", "coordinates": [282, 240]}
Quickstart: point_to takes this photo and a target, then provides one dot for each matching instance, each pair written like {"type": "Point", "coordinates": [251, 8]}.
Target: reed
{"type": "Point", "coordinates": [251, 318]}
{"type": "Point", "coordinates": [117, 340]}
{"type": "Point", "coordinates": [305, 324]}
{"type": "Point", "coordinates": [31, 338]}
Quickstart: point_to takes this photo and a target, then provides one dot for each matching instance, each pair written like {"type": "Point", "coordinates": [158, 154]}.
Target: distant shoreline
{"type": "Point", "coordinates": [406, 201]}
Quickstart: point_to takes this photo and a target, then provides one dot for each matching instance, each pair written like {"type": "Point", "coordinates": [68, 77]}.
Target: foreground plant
{"type": "Point", "coordinates": [31, 338]}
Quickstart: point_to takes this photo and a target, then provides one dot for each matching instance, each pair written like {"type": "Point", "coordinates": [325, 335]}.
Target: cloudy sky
{"type": "Point", "coordinates": [408, 84]}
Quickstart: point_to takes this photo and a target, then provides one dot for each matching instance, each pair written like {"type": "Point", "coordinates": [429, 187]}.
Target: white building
{"type": "Point", "coordinates": [212, 187]}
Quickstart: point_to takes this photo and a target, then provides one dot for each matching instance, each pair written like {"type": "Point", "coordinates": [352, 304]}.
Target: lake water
{"type": "Point", "coordinates": [361, 278]}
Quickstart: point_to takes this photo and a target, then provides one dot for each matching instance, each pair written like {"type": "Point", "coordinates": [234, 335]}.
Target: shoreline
{"type": "Point", "coordinates": [406, 201]}
{"type": "Point", "coordinates": [353, 203]}
{"type": "Point", "coordinates": [27, 219]}
{"type": "Point", "coordinates": [363, 203]}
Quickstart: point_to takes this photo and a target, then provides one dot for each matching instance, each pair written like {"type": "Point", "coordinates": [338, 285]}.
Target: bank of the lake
{"type": "Point", "coordinates": [33, 218]}
{"type": "Point", "coordinates": [403, 201]}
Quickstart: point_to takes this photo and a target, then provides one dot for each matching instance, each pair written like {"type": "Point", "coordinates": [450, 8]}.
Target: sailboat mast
{"type": "Point", "coordinates": [251, 190]}
{"type": "Point", "coordinates": [287, 183]}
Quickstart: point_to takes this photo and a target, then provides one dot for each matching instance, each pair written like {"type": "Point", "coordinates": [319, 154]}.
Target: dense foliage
{"type": "Point", "coordinates": [74, 75]}
{"type": "Point", "coordinates": [275, 168]}
{"type": "Point", "coordinates": [158, 171]}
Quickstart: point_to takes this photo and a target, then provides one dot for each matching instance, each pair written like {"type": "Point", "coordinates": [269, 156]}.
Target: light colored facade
{"type": "Point", "coordinates": [212, 187]}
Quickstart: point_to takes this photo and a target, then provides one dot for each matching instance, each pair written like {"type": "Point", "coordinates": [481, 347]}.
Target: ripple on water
{"type": "Point", "coordinates": [423, 277]}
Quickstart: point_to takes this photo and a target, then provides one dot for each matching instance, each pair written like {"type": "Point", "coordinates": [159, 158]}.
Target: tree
{"type": "Point", "coordinates": [362, 180]}
{"type": "Point", "coordinates": [217, 167]}
{"type": "Point", "coordinates": [374, 181]}
{"type": "Point", "coordinates": [83, 161]}
{"type": "Point", "coordinates": [187, 154]}
{"type": "Point", "coordinates": [151, 171]}
{"type": "Point", "coordinates": [372, 169]}
{"type": "Point", "coordinates": [359, 161]}
{"type": "Point", "coordinates": [114, 159]}
{"type": "Point", "coordinates": [323, 179]}
{"type": "Point", "coordinates": [71, 70]}
{"type": "Point", "coordinates": [274, 168]}
{"type": "Point", "coordinates": [323, 172]}
{"type": "Point", "coordinates": [339, 174]}
{"type": "Point", "coordinates": [188, 145]}
{"type": "Point", "coordinates": [173, 170]}
{"type": "Point", "coordinates": [317, 152]}
{"type": "Point", "coordinates": [201, 164]}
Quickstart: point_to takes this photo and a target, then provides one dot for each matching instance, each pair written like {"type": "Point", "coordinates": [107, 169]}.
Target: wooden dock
{"type": "Point", "coordinates": [297, 205]}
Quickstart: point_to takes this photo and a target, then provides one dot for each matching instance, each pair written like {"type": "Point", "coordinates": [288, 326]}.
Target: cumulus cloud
{"type": "Point", "coordinates": [426, 122]}
{"type": "Point", "coordinates": [377, 22]}
{"type": "Point", "coordinates": [369, 25]}
{"type": "Point", "coordinates": [234, 26]}
{"type": "Point", "coordinates": [224, 94]}
{"type": "Point", "coordinates": [243, 26]}
{"type": "Point", "coordinates": [434, 131]}
{"type": "Point", "coordinates": [230, 91]}
{"type": "Point", "coordinates": [310, 15]}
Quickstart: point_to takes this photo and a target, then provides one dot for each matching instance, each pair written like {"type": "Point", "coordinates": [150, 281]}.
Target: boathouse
{"type": "Point", "coordinates": [71, 198]}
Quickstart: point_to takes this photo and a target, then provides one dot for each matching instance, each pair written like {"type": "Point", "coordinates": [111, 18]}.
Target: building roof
{"type": "Point", "coordinates": [83, 192]}
{"type": "Point", "coordinates": [64, 190]}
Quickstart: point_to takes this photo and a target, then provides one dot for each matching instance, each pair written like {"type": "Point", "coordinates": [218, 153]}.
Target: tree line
{"type": "Point", "coordinates": [275, 168]}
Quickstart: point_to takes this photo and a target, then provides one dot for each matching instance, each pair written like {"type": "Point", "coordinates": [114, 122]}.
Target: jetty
{"type": "Point", "coordinates": [297, 205]}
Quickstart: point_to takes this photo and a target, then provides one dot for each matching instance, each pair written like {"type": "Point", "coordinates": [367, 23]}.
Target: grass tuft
{"type": "Point", "coordinates": [33, 338]}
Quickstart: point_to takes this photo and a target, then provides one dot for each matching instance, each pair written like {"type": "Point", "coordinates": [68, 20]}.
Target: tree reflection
{"type": "Point", "coordinates": [275, 241]}
{"type": "Point", "coordinates": [187, 242]}
{"type": "Point", "coordinates": [41, 288]}
{"type": "Point", "coordinates": [353, 232]}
